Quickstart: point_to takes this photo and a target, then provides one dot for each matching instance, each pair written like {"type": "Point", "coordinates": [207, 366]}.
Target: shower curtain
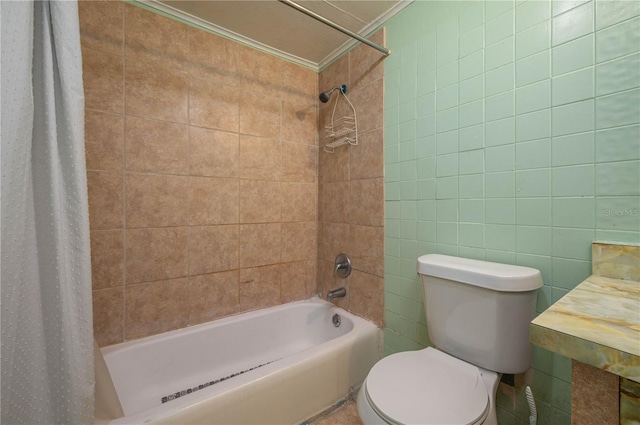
{"type": "Point", "coordinates": [47, 338]}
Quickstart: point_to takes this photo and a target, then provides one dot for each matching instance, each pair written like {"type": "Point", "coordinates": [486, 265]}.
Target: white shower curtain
{"type": "Point", "coordinates": [47, 337]}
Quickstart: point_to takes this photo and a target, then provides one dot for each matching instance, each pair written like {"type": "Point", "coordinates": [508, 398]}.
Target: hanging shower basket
{"type": "Point", "coordinates": [343, 130]}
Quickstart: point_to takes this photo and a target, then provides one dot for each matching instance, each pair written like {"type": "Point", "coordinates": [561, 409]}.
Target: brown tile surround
{"type": "Point", "coordinates": [204, 193]}
{"type": "Point", "coordinates": [351, 186]}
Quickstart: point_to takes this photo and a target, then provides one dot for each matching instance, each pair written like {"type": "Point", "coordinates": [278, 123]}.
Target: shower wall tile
{"type": "Point", "coordinates": [213, 249]}
{"type": "Point", "coordinates": [335, 240]}
{"type": "Point", "coordinates": [260, 158]}
{"type": "Point", "coordinates": [366, 246]}
{"type": "Point", "coordinates": [105, 199]}
{"type": "Point", "coordinates": [150, 37]}
{"type": "Point", "coordinates": [108, 316]}
{"type": "Point", "coordinates": [259, 115]}
{"type": "Point", "coordinates": [259, 72]}
{"type": "Point", "coordinates": [107, 258]}
{"type": "Point", "coordinates": [336, 202]}
{"type": "Point", "coordinates": [368, 158]}
{"type": "Point", "coordinates": [298, 280]}
{"type": "Point", "coordinates": [367, 295]}
{"type": "Point", "coordinates": [367, 209]}
{"type": "Point", "coordinates": [260, 201]}
{"type": "Point", "coordinates": [260, 287]}
{"type": "Point", "coordinates": [212, 296]}
{"type": "Point", "coordinates": [155, 91]}
{"type": "Point", "coordinates": [153, 146]}
{"type": "Point", "coordinates": [213, 153]}
{"type": "Point", "coordinates": [299, 241]}
{"type": "Point", "coordinates": [369, 118]}
{"type": "Point", "coordinates": [299, 121]}
{"type": "Point", "coordinates": [299, 162]}
{"type": "Point", "coordinates": [213, 105]}
{"type": "Point", "coordinates": [260, 244]}
{"type": "Point", "coordinates": [103, 81]}
{"type": "Point", "coordinates": [300, 85]}
{"type": "Point", "coordinates": [364, 66]}
{"type": "Point", "coordinates": [156, 307]}
{"type": "Point", "coordinates": [334, 167]}
{"type": "Point", "coordinates": [212, 57]}
{"type": "Point", "coordinates": [156, 253]}
{"type": "Point", "coordinates": [300, 202]}
{"type": "Point", "coordinates": [335, 75]}
{"type": "Point", "coordinates": [213, 201]}
{"type": "Point", "coordinates": [101, 27]}
{"type": "Point", "coordinates": [156, 200]}
{"type": "Point", "coordinates": [104, 140]}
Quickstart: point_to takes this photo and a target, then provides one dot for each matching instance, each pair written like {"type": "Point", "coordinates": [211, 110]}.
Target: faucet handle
{"type": "Point", "coordinates": [342, 267]}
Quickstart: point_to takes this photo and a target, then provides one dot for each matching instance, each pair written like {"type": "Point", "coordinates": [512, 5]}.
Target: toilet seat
{"type": "Point", "coordinates": [427, 387]}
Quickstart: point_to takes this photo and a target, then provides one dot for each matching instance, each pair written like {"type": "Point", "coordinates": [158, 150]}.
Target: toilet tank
{"type": "Point", "coordinates": [480, 311]}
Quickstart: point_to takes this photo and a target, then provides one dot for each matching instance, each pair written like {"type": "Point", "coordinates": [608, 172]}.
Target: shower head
{"type": "Point", "coordinates": [324, 96]}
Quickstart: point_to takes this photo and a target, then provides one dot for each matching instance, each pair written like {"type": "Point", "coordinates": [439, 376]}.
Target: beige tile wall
{"type": "Point", "coordinates": [351, 185]}
{"type": "Point", "coordinates": [202, 160]}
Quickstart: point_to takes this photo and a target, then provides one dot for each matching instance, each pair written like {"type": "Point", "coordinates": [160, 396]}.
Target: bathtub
{"type": "Point", "coordinates": [280, 365]}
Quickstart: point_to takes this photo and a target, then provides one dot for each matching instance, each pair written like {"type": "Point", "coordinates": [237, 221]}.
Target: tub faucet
{"type": "Point", "coordinates": [336, 293]}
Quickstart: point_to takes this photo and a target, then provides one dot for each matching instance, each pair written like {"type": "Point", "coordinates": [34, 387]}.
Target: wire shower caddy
{"type": "Point", "coordinates": [343, 130]}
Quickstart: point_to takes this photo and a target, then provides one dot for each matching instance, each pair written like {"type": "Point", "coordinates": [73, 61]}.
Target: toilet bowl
{"type": "Point", "coordinates": [428, 387]}
{"type": "Point", "coordinates": [478, 315]}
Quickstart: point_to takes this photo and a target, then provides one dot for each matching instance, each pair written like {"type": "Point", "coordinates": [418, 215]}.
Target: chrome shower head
{"type": "Point", "coordinates": [324, 96]}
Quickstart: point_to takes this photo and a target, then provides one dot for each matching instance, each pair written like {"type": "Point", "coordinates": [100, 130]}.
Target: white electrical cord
{"type": "Point", "coordinates": [532, 406]}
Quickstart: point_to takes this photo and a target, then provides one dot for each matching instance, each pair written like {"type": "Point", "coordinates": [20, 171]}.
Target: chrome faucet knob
{"type": "Point", "coordinates": [342, 266]}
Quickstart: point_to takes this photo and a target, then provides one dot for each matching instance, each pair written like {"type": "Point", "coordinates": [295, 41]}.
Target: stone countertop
{"type": "Point", "coordinates": [597, 323]}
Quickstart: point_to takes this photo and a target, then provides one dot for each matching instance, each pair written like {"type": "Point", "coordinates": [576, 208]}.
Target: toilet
{"type": "Point", "coordinates": [478, 316]}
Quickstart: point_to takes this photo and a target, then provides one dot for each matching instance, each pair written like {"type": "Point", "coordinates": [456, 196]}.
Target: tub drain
{"type": "Point", "coordinates": [183, 393]}
{"type": "Point", "coordinates": [336, 320]}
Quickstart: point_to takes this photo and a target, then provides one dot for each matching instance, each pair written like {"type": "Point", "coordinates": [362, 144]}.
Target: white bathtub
{"type": "Point", "coordinates": [290, 363]}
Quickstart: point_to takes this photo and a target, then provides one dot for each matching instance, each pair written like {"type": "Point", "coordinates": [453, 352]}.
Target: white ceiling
{"type": "Point", "coordinates": [278, 29]}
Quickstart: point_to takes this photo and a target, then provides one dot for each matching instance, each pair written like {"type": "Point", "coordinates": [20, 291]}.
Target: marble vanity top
{"type": "Point", "coordinates": [597, 323]}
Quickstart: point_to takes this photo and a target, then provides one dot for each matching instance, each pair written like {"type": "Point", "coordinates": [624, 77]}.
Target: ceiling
{"type": "Point", "coordinates": [276, 28]}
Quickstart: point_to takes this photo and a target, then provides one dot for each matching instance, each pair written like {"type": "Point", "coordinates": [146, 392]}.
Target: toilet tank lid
{"type": "Point", "coordinates": [495, 276]}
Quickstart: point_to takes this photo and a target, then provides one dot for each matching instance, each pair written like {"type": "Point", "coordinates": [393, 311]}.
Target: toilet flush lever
{"type": "Point", "coordinates": [342, 267]}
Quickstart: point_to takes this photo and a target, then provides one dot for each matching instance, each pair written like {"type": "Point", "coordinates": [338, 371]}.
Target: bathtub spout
{"type": "Point", "coordinates": [336, 293]}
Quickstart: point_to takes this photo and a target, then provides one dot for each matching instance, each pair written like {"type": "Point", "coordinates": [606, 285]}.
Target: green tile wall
{"type": "Point", "coordinates": [512, 134]}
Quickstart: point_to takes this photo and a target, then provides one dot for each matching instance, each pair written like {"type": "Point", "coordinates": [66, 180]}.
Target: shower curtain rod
{"type": "Point", "coordinates": [335, 26]}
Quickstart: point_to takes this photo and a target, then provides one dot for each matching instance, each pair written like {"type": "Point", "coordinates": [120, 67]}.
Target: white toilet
{"type": "Point", "coordinates": [478, 316]}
